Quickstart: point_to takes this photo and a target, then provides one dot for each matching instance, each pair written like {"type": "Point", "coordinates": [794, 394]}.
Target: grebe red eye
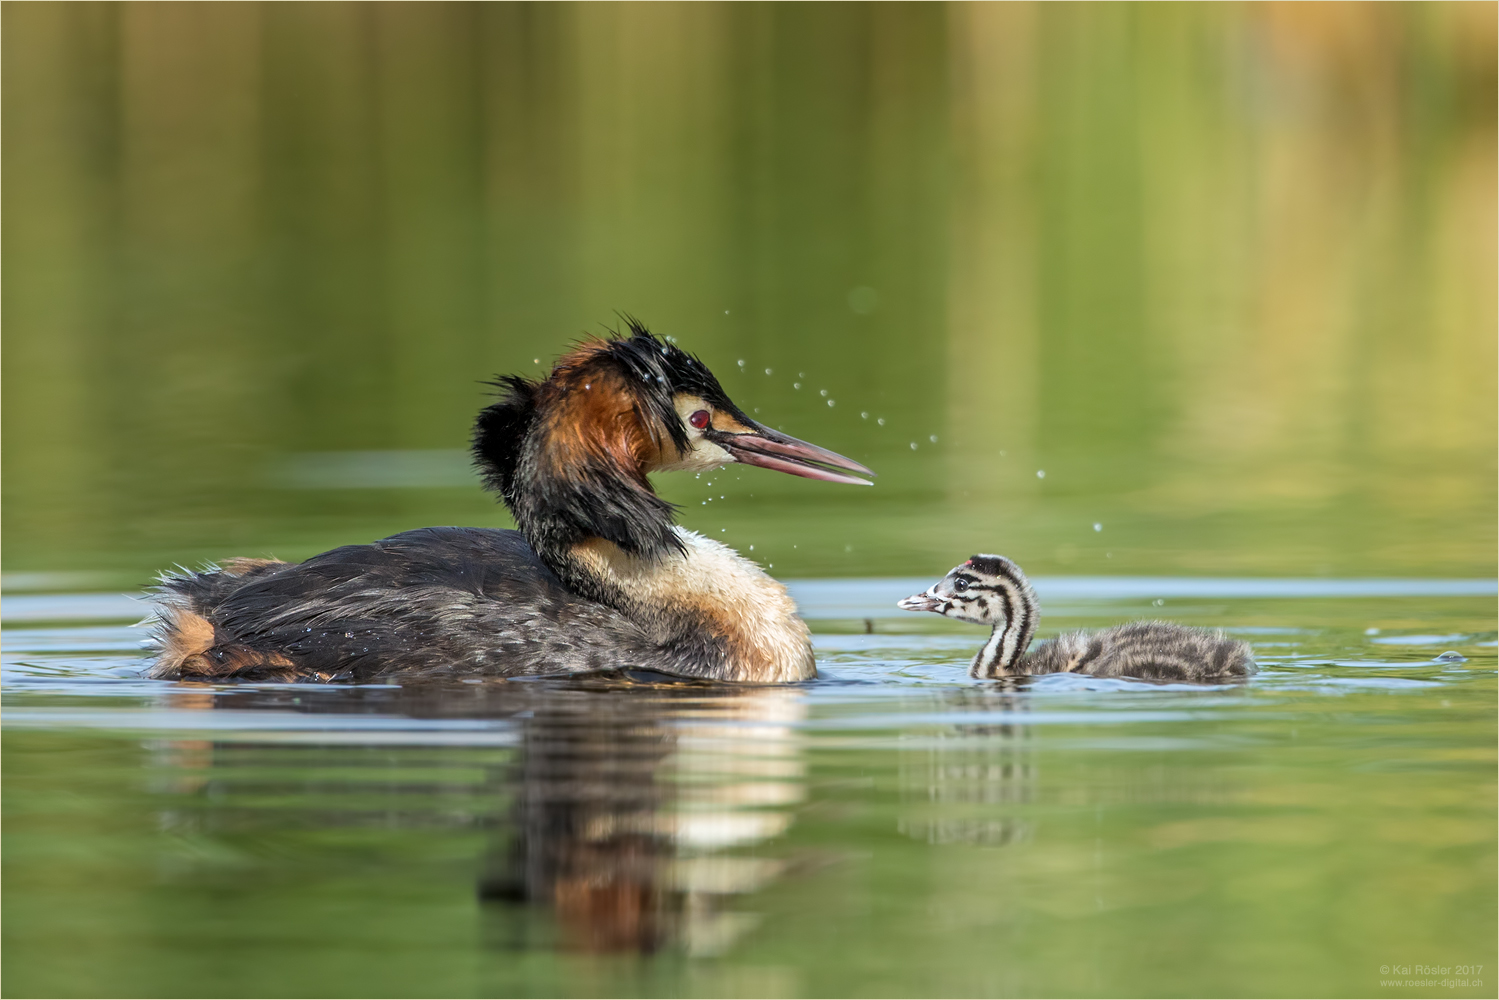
{"type": "Point", "coordinates": [699, 419]}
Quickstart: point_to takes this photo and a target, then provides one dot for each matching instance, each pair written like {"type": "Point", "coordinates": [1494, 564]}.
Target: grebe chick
{"type": "Point", "coordinates": [597, 578]}
{"type": "Point", "coordinates": [991, 590]}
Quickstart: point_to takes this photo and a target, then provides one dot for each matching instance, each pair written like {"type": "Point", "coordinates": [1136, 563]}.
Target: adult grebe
{"type": "Point", "coordinates": [598, 577]}
{"type": "Point", "coordinates": [991, 590]}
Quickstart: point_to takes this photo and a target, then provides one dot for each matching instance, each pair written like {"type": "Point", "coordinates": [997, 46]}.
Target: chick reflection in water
{"type": "Point", "coordinates": [969, 782]}
{"type": "Point", "coordinates": [628, 807]}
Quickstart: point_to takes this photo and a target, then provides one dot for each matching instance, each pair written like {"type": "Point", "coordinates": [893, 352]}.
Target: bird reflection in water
{"type": "Point", "coordinates": [963, 784]}
{"type": "Point", "coordinates": [634, 803]}
{"type": "Point", "coordinates": [630, 805]}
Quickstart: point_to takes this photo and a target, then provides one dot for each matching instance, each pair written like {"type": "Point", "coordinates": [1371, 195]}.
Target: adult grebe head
{"type": "Point", "coordinates": [570, 454]}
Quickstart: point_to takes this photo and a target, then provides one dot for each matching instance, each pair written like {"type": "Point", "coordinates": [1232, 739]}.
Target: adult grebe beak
{"type": "Point", "coordinates": [924, 601]}
{"type": "Point", "coordinates": [770, 449]}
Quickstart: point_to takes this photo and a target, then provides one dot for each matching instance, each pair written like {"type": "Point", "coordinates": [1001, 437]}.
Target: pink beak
{"type": "Point", "coordinates": [771, 449]}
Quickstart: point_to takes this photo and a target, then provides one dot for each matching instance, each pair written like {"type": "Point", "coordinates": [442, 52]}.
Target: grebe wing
{"type": "Point", "coordinates": [429, 602]}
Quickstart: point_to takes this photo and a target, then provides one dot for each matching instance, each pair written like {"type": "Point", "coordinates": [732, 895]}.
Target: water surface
{"type": "Point", "coordinates": [890, 829]}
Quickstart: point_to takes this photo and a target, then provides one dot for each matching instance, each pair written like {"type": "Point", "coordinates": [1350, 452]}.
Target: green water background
{"type": "Point", "coordinates": [1225, 274]}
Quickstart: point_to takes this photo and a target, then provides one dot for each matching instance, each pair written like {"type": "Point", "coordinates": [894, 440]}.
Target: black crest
{"type": "Point", "coordinates": [661, 369]}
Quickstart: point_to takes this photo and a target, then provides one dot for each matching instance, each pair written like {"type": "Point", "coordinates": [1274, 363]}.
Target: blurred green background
{"type": "Point", "coordinates": [1224, 273]}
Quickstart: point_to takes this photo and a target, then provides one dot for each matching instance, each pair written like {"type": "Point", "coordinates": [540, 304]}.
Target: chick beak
{"type": "Point", "coordinates": [770, 449]}
{"type": "Point", "coordinates": [924, 601]}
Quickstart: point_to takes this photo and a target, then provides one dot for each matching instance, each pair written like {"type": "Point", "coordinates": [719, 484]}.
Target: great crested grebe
{"type": "Point", "coordinates": [598, 577]}
{"type": "Point", "coordinates": [991, 590]}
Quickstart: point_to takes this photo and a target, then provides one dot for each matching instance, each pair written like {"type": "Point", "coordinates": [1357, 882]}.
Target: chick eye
{"type": "Point", "coordinates": [699, 419]}
{"type": "Point", "coordinates": [960, 584]}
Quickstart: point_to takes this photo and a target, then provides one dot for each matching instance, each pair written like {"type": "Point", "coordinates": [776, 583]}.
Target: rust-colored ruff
{"type": "Point", "coordinates": [593, 418]}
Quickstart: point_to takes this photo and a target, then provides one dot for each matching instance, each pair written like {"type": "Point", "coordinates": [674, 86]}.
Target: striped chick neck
{"type": "Point", "coordinates": [997, 594]}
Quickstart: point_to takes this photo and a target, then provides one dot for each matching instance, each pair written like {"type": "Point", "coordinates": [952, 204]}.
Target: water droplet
{"type": "Point", "coordinates": [830, 402]}
{"type": "Point", "coordinates": [1001, 453]}
{"type": "Point", "coordinates": [933, 439]}
{"type": "Point", "coordinates": [535, 361]}
{"type": "Point", "coordinates": [752, 548]}
{"type": "Point", "coordinates": [1158, 603]}
{"type": "Point", "coordinates": [801, 374]}
{"type": "Point", "coordinates": [1097, 526]}
{"type": "Point", "coordinates": [1040, 473]}
{"type": "Point", "coordinates": [1371, 631]}
{"type": "Point", "coordinates": [863, 414]}
{"type": "Point", "coordinates": [741, 360]}
{"type": "Point", "coordinates": [880, 421]}
{"type": "Point", "coordinates": [822, 392]}
{"type": "Point", "coordinates": [767, 371]}
{"type": "Point", "coordinates": [1451, 656]}
{"type": "Point", "coordinates": [757, 409]}
{"type": "Point", "coordinates": [913, 445]}
{"type": "Point", "coordinates": [796, 385]}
